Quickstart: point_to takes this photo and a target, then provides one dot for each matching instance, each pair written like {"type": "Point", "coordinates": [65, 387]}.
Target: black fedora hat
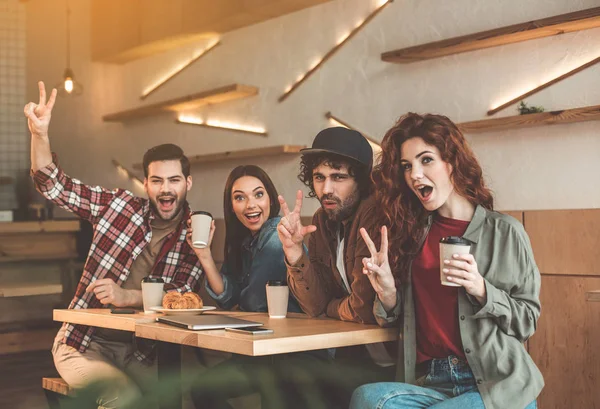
{"type": "Point", "coordinates": [344, 142]}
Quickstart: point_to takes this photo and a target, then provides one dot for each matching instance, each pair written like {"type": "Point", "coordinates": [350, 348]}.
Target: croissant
{"type": "Point", "coordinates": [193, 299]}
{"type": "Point", "coordinates": [177, 301]}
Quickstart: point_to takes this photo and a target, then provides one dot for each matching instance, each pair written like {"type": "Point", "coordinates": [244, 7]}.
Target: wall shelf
{"type": "Point", "coordinates": [51, 226]}
{"type": "Point", "coordinates": [544, 86]}
{"type": "Point", "coordinates": [591, 113]}
{"type": "Point", "coordinates": [185, 120]}
{"type": "Point", "coordinates": [187, 103]}
{"type": "Point", "coordinates": [31, 336]}
{"type": "Point", "coordinates": [564, 23]}
{"type": "Point", "coordinates": [27, 289]}
{"type": "Point", "coordinates": [241, 154]}
{"type": "Point", "coordinates": [5, 180]}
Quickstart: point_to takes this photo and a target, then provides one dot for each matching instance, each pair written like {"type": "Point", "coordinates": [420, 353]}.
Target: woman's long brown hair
{"type": "Point", "coordinates": [235, 231]}
{"type": "Point", "coordinates": [401, 210]}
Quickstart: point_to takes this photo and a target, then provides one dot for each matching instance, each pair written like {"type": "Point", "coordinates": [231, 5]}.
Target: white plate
{"type": "Point", "coordinates": [189, 311]}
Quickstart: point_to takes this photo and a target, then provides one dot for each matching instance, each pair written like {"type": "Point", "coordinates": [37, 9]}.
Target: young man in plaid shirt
{"type": "Point", "coordinates": [133, 238]}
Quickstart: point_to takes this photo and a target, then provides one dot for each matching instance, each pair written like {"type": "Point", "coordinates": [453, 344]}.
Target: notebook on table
{"type": "Point", "coordinates": [202, 322]}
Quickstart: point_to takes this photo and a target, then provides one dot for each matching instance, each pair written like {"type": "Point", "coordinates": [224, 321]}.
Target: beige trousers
{"type": "Point", "coordinates": [107, 361]}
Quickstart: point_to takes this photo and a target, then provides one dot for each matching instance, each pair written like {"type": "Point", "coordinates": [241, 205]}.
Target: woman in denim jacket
{"type": "Point", "coordinates": [462, 346]}
{"type": "Point", "coordinates": [253, 256]}
{"type": "Point", "coordinates": [253, 252]}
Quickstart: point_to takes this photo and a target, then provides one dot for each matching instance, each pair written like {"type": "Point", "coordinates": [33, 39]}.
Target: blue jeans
{"type": "Point", "coordinates": [447, 384]}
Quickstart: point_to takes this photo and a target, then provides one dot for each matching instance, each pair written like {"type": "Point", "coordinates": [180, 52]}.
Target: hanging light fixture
{"type": "Point", "coordinates": [69, 86]}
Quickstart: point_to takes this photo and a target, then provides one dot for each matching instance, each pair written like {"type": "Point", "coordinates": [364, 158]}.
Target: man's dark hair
{"type": "Point", "coordinates": [360, 172]}
{"type": "Point", "coordinates": [167, 151]}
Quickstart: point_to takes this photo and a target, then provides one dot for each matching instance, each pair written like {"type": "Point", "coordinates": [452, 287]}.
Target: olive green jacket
{"type": "Point", "coordinates": [492, 335]}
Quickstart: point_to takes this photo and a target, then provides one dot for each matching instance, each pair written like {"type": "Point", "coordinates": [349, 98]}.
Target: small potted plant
{"type": "Point", "coordinates": [525, 109]}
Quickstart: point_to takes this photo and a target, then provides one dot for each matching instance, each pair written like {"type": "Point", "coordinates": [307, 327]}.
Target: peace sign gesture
{"type": "Point", "coordinates": [38, 115]}
{"type": "Point", "coordinates": [378, 270]}
{"type": "Point", "coordinates": [291, 231]}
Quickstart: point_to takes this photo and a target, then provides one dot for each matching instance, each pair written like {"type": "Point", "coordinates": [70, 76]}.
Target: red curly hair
{"type": "Point", "coordinates": [402, 211]}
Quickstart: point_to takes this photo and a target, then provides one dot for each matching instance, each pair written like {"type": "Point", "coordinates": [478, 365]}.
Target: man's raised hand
{"type": "Point", "coordinates": [38, 115]}
{"type": "Point", "coordinates": [291, 231]}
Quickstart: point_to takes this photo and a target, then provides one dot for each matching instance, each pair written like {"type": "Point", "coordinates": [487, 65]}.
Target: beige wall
{"type": "Point", "coordinates": [538, 168]}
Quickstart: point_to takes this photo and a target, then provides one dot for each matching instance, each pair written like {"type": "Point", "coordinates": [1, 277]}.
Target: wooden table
{"type": "Point", "coordinates": [295, 333]}
{"type": "Point", "coordinates": [592, 295]}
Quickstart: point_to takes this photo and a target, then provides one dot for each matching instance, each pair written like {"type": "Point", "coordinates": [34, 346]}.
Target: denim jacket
{"type": "Point", "coordinates": [262, 260]}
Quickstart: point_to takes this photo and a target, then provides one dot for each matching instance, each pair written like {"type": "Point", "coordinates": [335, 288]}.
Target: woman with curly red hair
{"type": "Point", "coordinates": [462, 345]}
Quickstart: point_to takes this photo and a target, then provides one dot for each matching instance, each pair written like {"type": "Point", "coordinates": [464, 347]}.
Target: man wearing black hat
{"type": "Point", "coordinates": [329, 279]}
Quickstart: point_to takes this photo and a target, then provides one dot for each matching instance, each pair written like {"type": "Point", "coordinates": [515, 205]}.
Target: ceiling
{"type": "Point", "coordinates": [126, 30]}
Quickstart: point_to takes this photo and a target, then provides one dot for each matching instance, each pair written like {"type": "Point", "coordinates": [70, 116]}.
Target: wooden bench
{"type": "Point", "coordinates": [55, 389]}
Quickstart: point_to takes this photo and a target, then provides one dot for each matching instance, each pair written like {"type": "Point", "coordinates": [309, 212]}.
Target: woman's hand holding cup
{"type": "Point", "coordinates": [462, 270]}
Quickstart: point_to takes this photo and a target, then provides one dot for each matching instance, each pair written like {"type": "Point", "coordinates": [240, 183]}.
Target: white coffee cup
{"type": "Point", "coordinates": [449, 246]}
{"type": "Point", "coordinates": [201, 229]}
{"type": "Point", "coordinates": [152, 293]}
{"type": "Point", "coordinates": [277, 298]}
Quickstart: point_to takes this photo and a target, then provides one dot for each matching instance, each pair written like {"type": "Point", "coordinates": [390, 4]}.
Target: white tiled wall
{"type": "Point", "coordinates": [14, 144]}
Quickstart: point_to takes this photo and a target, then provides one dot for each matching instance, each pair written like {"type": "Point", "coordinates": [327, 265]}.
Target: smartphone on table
{"type": "Point", "coordinates": [250, 330]}
{"type": "Point", "coordinates": [122, 310]}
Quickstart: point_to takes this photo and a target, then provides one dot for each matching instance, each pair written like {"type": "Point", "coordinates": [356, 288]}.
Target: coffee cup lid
{"type": "Point", "coordinates": [276, 283]}
{"type": "Point", "coordinates": [149, 279]}
{"type": "Point", "coordinates": [202, 212]}
{"type": "Point", "coordinates": [455, 240]}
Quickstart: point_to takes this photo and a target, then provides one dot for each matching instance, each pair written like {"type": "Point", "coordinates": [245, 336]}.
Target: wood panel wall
{"type": "Point", "coordinates": [565, 346]}
{"type": "Point", "coordinates": [565, 242]}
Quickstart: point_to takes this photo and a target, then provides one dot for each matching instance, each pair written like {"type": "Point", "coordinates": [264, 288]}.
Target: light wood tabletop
{"type": "Point", "coordinates": [295, 333]}
{"type": "Point", "coordinates": [592, 295]}
{"type": "Point", "coordinates": [103, 318]}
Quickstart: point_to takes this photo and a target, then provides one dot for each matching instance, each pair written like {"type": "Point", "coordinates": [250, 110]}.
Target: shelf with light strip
{"type": "Point", "coordinates": [340, 43]}
{"type": "Point", "coordinates": [591, 113]}
{"type": "Point", "coordinates": [189, 102]}
{"type": "Point", "coordinates": [241, 154]}
{"type": "Point", "coordinates": [564, 23]}
{"type": "Point", "coordinates": [544, 86]}
{"type": "Point", "coordinates": [179, 68]}
{"type": "Point", "coordinates": [215, 124]}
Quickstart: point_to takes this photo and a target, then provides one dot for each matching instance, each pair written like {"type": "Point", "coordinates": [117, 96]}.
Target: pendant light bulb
{"type": "Point", "coordinates": [69, 86]}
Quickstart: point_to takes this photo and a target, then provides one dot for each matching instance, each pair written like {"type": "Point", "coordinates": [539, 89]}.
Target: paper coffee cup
{"type": "Point", "coordinates": [277, 298]}
{"type": "Point", "coordinates": [152, 293]}
{"type": "Point", "coordinates": [201, 229]}
{"type": "Point", "coordinates": [448, 246]}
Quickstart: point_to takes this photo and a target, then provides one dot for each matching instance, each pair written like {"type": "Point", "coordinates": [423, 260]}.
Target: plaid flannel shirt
{"type": "Point", "coordinates": [121, 231]}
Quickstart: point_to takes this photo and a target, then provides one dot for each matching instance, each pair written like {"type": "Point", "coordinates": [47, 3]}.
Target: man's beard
{"type": "Point", "coordinates": [179, 206]}
{"type": "Point", "coordinates": [344, 209]}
